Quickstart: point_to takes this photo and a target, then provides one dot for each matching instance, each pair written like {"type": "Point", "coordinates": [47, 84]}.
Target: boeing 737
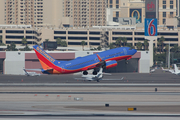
{"type": "Point", "coordinates": [106, 59]}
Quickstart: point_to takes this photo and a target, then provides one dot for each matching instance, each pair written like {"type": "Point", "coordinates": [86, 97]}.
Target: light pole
{"type": "Point", "coordinates": [169, 56]}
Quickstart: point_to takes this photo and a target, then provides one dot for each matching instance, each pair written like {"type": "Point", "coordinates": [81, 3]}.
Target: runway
{"type": "Point", "coordinates": [157, 77]}
{"type": "Point", "coordinates": [155, 96]}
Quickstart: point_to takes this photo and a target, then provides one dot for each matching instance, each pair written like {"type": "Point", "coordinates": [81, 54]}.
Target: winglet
{"type": "Point", "coordinates": [175, 68]}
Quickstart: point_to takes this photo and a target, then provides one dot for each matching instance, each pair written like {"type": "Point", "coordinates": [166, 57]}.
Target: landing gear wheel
{"type": "Point", "coordinates": [94, 73]}
{"type": "Point", "coordinates": [85, 73]}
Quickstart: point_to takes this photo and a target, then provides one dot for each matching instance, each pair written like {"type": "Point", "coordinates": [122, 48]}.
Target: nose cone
{"type": "Point", "coordinates": [134, 51]}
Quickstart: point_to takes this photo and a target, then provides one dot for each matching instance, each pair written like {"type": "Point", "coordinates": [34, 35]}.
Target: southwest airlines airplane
{"type": "Point", "coordinates": [106, 59]}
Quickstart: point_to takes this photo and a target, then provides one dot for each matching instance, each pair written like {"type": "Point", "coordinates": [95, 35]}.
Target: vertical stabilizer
{"type": "Point", "coordinates": [47, 62]}
{"type": "Point", "coordinates": [26, 73]}
{"type": "Point", "coordinates": [176, 68]}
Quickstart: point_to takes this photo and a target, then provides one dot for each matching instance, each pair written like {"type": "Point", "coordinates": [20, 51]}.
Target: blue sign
{"type": "Point", "coordinates": [150, 27]}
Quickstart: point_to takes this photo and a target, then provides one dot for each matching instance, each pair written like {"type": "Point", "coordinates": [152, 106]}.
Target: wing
{"type": "Point", "coordinates": [97, 65]}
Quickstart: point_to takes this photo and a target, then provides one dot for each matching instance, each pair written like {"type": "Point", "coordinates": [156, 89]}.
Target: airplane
{"type": "Point", "coordinates": [176, 70]}
{"type": "Point", "coordinates": [97, 77]}
{"type": "Point", "coordinates": [106, 59]}
{"type": "Point", "coordinates": [166, 70]}
{"type": "Point", "coordinates": [31, 73]}
{"type": "Point", "coordinates": [152, 70]}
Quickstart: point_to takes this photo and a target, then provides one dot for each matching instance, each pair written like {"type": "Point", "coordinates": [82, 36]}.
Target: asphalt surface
{"type": "Point", "coordinates": [157, 77]}
{"type": "Point", "coordinates": [35, 102]}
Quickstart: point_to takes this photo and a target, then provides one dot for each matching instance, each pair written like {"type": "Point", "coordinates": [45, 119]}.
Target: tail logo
{"type": "Point", "coordinates": [45, 55]}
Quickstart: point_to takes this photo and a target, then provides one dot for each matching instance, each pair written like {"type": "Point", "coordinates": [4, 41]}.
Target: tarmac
{"type": "Point", "coordinates": [157, 77]}
{"type": "Point", "coordinates": [154, 96]}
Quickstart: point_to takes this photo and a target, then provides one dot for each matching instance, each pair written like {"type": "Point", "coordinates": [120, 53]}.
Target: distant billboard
{"type": "Point", "coordinates": [150, 26]}
{"type": "Point", "coordinates": [150, 8]}
{"type": "Point", "coordinates": [137, 14]}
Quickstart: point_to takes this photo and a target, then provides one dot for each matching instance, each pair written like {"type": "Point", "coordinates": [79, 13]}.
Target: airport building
{"type": "Point", "coordinates": [13, 62]}
{"type": "Point", "coordinates": [92, 36]}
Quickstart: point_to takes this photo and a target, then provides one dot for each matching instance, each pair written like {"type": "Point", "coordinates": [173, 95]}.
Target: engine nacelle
{"type": "Point", "coordinates": [110, 64]}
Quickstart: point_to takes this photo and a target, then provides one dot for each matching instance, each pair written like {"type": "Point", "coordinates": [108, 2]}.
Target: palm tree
{"type": "Point", "coordinates": [162, 39]}
{"type": "Point", "coordinates": [155, 49]}
{"type": "Point", "coordinates": [118, 42]}
{"type": "Point", "coordinates": [58, 40]}
{"type": "Point", "coordinates": [139, 45]}
{"type": "Point", "coordinates": [63, 44]}
{"type": "Point", "coordinates": [46, 40]}
{"type": "Point", "coordinates": [146, 44]}
{"type": "Point", "coordinates": [124, 39]}
{"type": "Point", "coordinates": [159, 45]}
{"type": "Point", "coordinates": [83, 43]}
{"type": "Point", "coordinates": [99, 48]}
{"type": "Point", "coordinates": [1, 42]}
{"type": "Point", "coordinates": [24, 41]}
{"type": "Point", "coordinates": [11, 47]}
{"type": "Point", "coordinates": [167, 51]}
{"type": "Point", "coordinates": [129, 45]}
{"type": "Point", "coordinates": [111, 46]}
{"type": "Point", "coordinates": [26, 48]}
{"type": "Point", "coordinates": [175, 48]}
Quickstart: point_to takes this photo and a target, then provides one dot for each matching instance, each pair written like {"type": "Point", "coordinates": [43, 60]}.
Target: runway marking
{"type": "Point", "coordinates": [113, 93]}
{"type": "Point", "coordinates": [88, 85]}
